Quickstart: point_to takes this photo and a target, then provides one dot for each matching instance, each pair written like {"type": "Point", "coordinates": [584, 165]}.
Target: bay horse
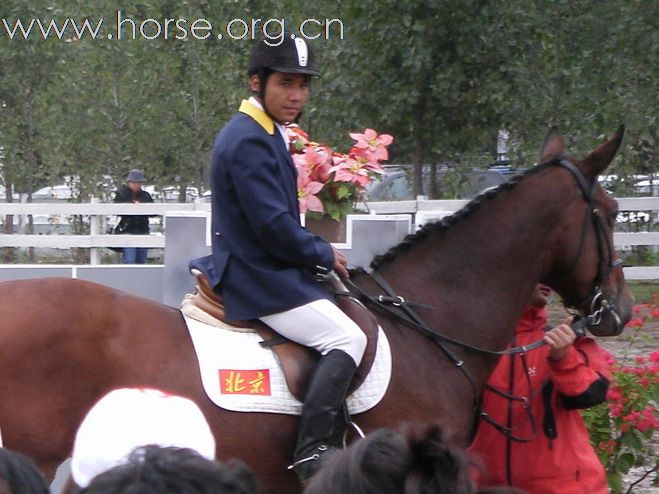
{"type": "Point", "coordinates": [65, 343]}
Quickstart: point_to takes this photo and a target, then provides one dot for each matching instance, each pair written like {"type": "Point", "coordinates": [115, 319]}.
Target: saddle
{"type": "Point", "coordinates": [297, 361]}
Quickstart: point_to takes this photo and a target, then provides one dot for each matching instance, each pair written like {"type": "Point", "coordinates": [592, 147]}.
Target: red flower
{"type": "Point", "coordinates": [635, 323]}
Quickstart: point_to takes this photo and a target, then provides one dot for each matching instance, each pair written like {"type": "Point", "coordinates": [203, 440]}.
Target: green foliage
{"type": "Point", "coordinates": [441, 76]}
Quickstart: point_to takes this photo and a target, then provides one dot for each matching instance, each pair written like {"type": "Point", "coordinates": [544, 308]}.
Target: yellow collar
{"type": "Point", "coordinates": [259, 115]}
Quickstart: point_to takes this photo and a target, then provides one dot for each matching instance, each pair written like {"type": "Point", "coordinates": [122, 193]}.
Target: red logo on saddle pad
{"type": "Point", "coordinates": [245, 382]}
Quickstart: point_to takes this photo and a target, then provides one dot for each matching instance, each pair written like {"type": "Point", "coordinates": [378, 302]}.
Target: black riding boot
{"type": "Point", "coordinates": [321, 422]}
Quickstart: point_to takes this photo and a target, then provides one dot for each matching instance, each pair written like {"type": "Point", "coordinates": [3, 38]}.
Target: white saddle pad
{"type": "Point", "coordinates": [239, 374]}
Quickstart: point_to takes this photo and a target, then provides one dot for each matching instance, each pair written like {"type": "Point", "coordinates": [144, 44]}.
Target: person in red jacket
{"type": "Point", "coordinates": [531, 435]}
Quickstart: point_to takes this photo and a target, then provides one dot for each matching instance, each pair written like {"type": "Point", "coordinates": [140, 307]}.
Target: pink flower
{"type": "Point", "coordinates": [316, 161]}
{"type": "Point", "coordinates": [374, 145]}
{"type": "Point", "coordinates": [350, 170]}
{"type": "Point", "coordinates": [342, 177]}
{"type": "Point", "coordinates": [654, 356]}
{"type": "Point", "coordinates": [306, 193]}
{"type": "Point", "coordinates": [297, 137]}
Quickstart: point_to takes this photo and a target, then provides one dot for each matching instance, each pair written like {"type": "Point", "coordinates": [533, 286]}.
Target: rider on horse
{"type": "Point", "coordinates": [264, 264]}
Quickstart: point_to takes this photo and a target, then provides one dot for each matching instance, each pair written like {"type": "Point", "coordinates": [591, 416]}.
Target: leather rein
{"type": "Point", "coordinates": [397, 308]}
{"type": "Point", "coordinates": [401, 310]}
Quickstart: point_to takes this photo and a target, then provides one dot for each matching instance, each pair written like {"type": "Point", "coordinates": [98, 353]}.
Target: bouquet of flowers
{"type": "Point", "coordinates": [330, 183]}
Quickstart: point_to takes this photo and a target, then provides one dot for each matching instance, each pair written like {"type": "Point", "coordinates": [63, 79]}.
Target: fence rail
{"type": "Point", "coordinates": [97, 237]}
{"type": "Point", "coordinates": [425, 210]}
{"type": "Point", "coordinates": [421, 211]}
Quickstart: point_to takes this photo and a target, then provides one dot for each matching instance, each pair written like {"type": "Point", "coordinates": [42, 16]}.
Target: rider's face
{"type": "Point", "coordinates": [285, 95]}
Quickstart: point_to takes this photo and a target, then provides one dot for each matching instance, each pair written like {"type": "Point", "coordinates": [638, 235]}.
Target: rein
{"type": "Point", "coordinates": [383, 305]}
{"type": "Point", "coordinates": [397, 308]}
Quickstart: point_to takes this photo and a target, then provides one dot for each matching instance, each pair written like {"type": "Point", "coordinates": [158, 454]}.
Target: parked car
{"type": "Point", "coordinates": [396, 183]}
{"type": "Point", "coordinates": [60, 192]}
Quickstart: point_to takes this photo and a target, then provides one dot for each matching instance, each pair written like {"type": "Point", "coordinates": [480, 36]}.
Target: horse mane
{"type": "Point", "coordinates": [445, 223]}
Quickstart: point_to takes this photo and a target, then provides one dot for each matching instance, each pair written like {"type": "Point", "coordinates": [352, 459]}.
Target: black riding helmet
{"type": "Point", "coordinates": [292, 55]}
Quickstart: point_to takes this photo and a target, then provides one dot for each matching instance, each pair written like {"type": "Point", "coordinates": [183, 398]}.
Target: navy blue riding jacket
{"type": "Point", "coordinates": [263, 261]}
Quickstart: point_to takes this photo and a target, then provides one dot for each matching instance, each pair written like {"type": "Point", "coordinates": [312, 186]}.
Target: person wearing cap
{"type": "Point", "coordinates": [264, 264]}
{"type": "Point", "coordinates": [128, 418]}
{"type": "Point", "coordinates": [133, 192]}
{"type": "Point", "coordinates": [173, 470]}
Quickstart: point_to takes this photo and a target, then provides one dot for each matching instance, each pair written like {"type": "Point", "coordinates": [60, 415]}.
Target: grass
{"type": "Point", "coordinates": [643, 290]}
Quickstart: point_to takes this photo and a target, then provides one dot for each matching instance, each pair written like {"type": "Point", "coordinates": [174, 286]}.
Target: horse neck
{"type": "Point", "coordinates": [480, 271]}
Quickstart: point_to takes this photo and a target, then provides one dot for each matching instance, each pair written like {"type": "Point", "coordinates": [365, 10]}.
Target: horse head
{"type": "Point", "coordinates": [587, 273]}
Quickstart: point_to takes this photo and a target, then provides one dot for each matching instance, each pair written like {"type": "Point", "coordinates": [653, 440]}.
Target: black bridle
{"type": "Point", "coordinates": [397, 308]}
{"type": "Point", "coordinates": [607, 260]}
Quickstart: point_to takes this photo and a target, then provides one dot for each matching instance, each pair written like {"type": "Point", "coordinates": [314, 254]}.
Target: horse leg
{"type": "Point", "coordinates": [264, 441]}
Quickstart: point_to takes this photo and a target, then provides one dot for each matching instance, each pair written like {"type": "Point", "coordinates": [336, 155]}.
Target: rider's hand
{"type": "Point", "coordinates": [560, 340]}
{"type": "Point", "coordinates": [340, 264]}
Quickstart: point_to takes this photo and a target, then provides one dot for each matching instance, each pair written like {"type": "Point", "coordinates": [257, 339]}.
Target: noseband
{"type": "Point", "coordinates": [607, 261]}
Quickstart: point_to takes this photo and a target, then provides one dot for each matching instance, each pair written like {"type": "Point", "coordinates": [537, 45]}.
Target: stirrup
{"type": "Point", "coordinates": [306, 467]}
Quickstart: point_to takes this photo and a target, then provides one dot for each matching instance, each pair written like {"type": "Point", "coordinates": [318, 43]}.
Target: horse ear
{"type": "Point", "coordinates": [597, 161]}
{"type": "Point", "coordinates": [553, 146]}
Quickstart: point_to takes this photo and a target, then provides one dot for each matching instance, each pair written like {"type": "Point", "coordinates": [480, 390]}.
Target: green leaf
{"type": "Point", "coordinates": [614, 480]}
{"type": "Point", "coordinates": [631, 440]}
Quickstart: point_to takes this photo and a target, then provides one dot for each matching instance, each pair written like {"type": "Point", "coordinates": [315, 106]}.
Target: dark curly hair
{"type": "Point", "coordinates": [169, 470]}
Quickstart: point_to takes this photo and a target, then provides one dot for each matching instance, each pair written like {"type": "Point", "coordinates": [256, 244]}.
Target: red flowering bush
{"type": "Point", "coordinates": [624, 428]}
{"type": "Point", "coordinates": [331, 183]}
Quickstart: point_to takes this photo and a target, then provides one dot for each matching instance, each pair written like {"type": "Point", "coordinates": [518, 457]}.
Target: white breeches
{"type": "Point", "coordinates": [320, 325]}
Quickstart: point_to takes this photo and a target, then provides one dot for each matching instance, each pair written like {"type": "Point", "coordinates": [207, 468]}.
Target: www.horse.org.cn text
{"type": "Point", "coordinates": [124, 27]}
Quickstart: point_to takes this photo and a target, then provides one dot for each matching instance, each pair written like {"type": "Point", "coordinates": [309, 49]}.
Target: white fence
{"type": "Point", "coordinates": [98, 214]}
{"type": "Point", "coordinates": [421, 211]}
{"type": "Point", "coordinates": [630, 208]}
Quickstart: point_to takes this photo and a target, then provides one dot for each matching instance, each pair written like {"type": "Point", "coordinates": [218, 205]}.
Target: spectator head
{"type": "Point", "coordinates": [128, 418]}
{"type": "Point", "coordinates": [169, 470]}
{"type": "Point", "coordinates": [415, 461]}
{"type": "Point", "coordinates": [136, 176]}
{"type": "Point", "coordinates": [19, 475]}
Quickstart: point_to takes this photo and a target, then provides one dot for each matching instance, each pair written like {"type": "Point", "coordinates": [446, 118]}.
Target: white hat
{"type": "Point", "coordinates": [125, 419]}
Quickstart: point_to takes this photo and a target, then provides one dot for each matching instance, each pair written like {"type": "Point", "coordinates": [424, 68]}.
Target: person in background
{"type": "Point", "coordinates": [133, 193]}
{"type": "Point", "coordinates": [170, 470]}
{"type": "Point", "coordinates": [128, 418]}
{"type": "Point", "coordinates": [414, 460]}
{"type": "Point", "coordinates": [19, 474]}
{"type": "Point", "coordinates": [532, 435]}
